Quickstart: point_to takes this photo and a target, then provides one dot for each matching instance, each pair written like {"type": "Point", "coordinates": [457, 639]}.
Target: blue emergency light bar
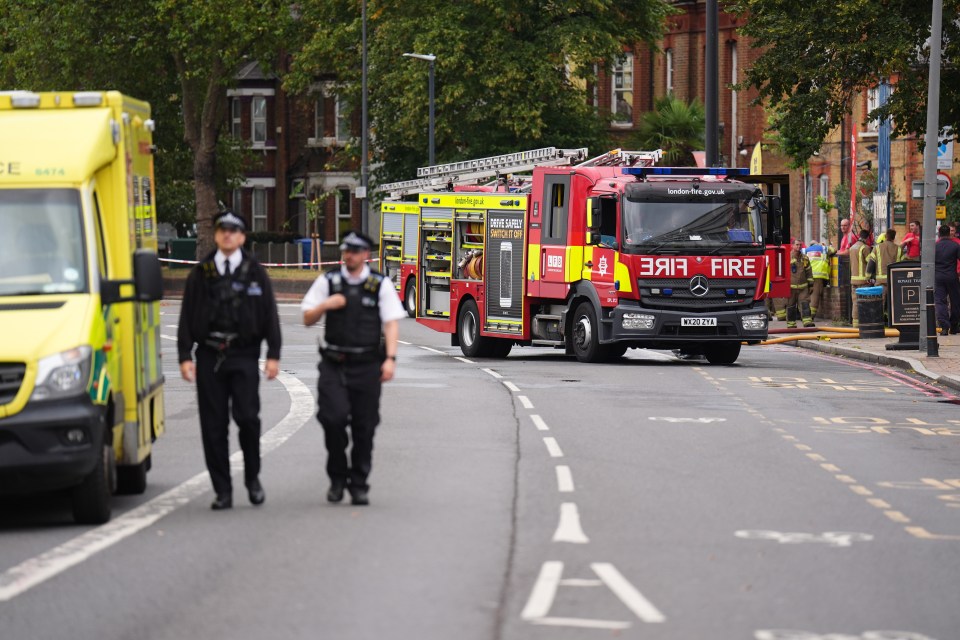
{"type": "Point", "coordinates": [686, 171]}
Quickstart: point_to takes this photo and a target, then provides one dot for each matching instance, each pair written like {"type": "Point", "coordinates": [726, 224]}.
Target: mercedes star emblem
{"type": "Point", "coordinates": [699, 286]}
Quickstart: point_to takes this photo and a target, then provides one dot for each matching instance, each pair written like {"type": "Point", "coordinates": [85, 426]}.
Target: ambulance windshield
{"type": "Point", "coordinates": [41, 242]}
{"type": "Point", "coordinates": [683, 224]}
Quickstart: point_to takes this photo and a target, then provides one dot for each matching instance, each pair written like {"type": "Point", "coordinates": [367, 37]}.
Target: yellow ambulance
{"type": "Point", "coordinates": [81, 387]}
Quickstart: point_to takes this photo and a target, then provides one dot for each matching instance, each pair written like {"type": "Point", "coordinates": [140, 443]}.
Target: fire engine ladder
{"type": "Point", "coordinates": [621, 158]}
{"type": "Point", "coordinates": [442, 176]}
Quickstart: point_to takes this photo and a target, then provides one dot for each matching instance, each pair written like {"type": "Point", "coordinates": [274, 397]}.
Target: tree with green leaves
{"type": "Point", "coordinates": [509, 75]}
{"type": "Point", "coordinates": [676, 127]}
{"type": "Point", "coordinates": [181, 55]}
{"type": "Point", "coordinates": [818, 55]}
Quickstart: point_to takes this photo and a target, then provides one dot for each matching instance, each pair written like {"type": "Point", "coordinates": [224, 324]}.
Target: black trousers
{"type": "Point", "coordinates": [349, 396]}
{"type": "Point", "coordinates": [946, 298]}
{"type": "Point", "coordinates": [234, 387]}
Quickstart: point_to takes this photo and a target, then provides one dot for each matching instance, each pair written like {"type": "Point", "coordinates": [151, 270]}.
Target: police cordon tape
{"type": "Point", "coordinates": [291, 265]}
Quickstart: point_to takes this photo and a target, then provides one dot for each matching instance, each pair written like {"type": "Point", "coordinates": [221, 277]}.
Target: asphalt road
{"type": "Point", "coordinates": [532, 497]}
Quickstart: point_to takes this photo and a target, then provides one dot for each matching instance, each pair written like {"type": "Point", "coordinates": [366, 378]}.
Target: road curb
{"type": "Point", "coordinates": [900, 362]}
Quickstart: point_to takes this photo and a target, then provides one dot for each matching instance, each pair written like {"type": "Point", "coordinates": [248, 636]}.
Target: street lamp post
{"type": "Point", "coordinates": [364, 167]}
{"type": "Point", "coordinates": [429, 57]}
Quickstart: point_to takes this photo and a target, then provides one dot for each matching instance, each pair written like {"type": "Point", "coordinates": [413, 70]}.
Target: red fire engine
{"type": "Point", "coordinates": [592, 256]}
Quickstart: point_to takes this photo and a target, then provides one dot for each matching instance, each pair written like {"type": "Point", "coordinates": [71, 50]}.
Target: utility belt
{"type": "Point", "coordinates": [342, 355]}
{"type": "Point", "coordinates": [220, 341]}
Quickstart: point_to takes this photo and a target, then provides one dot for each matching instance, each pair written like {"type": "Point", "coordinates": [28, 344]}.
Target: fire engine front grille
{"type": "Point", "coordinates": [675, 293]}
{"type": "Point", "coordinates": [11, 377]}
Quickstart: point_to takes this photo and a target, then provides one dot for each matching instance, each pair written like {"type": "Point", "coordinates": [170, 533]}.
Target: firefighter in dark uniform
{"type": "Point", "coordinates": [228, 310]}
{"type": "Point", "coordinates": [359, 353]}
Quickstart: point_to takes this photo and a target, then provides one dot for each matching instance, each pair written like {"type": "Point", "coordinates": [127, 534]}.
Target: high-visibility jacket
{"type": "Point", "coordinates": [884, 254]}
{"type": "Point", "coordinates": [801, 276]}
{"type": "Point", "coordinates": [819, 256]}
{"type": "Point", "coordinates": [858, 263]}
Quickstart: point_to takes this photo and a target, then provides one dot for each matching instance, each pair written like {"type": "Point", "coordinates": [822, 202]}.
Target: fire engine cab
{"type": "Point", "coordinates": [593, 256]}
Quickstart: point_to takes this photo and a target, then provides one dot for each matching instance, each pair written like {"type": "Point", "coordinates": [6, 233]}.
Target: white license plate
{"type": "Point", "coordinates": [698, 322]}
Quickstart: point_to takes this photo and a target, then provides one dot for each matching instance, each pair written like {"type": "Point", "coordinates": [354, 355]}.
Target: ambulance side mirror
{"type": "Point", "coordinates": [594, 217]}
{"type": "Point", "coordinates": [147, 281]}
{"type": "Point", "coordinates": [147, 277]}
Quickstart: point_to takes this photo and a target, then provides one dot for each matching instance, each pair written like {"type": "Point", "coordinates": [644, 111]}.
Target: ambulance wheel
{"type": "Point", "coordinates": [585, 334]}
{"type": "Point", "coordinates": [132, 480]}
{"type": "Point", "coordinates": [410, 298]}
{"type": "Point", "coordinates": [91, 498]}
{"type": "Point", "coordinates": [472, 344]}
{"type": "Point", "coordinates": [723, 353]}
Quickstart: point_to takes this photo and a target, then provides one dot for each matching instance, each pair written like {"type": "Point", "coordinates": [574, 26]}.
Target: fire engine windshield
{"type": "Point", "coordinates": [41, 242]}
{"type": "Point", "coordinates": [682, 224]}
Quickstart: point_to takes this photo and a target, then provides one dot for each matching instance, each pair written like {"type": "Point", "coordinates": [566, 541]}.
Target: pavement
{"type": "Point", "coordinates": [943, 369]}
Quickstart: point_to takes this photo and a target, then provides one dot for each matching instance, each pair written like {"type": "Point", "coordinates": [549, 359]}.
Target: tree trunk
{"type": "Point", "coordinates": [205, 192]}
{"type": "Point", "coordinates": [204, 105]}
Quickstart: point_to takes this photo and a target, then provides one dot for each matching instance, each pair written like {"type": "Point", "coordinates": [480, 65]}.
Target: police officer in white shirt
{"type": "Point", "coordinates": [362, 310]}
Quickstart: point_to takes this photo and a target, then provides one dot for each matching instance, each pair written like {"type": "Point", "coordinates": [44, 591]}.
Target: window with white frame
{"type": "Point", "coordinates": [258, 120]}
{"type": "Point", "coordinates": [669, 66]}
{"type": "Point", "coordinates": [235, 118]}
{"type": "Point", "coordinates": [259, 209]}
{"type": "Point", "coordinates": [621, 94]}
{"type": "Point", "coordinates": [318, 118]}
{"type": "Point", "coordinates": [238, 202]}
{"type": "Point", "coordinates": [873, 102]}
{"type": "Point", "coordinates": [344, 216]}
{"type": "Point", "coordinates": [342, 119]}
{"type": "Point", "coordinates": [807, 206]}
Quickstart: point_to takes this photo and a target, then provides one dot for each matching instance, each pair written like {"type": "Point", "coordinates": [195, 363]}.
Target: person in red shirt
{"type": "Point", "coordinates": [911, 241]}
{"type": "Point", "coordinates": [847, 237]}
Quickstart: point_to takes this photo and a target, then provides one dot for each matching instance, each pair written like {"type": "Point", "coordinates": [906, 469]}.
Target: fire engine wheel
{"type": "Point", "coordinates": [500, 347]}
{"type": "Point", "coordinates": [586, 334]}
{"type": "Point", "coordinates": [614, 351]}
{"type": "Point", "coordinates": [472, 344]}
{"type": "Point", "coordinates": [91, 498]}
{"type": "Point", "coordinates": [410, 298]}
{"type": "Point", "coordinates": [723, 353]}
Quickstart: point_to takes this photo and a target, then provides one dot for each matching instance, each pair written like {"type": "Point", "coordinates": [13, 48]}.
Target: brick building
{"type": "Point", "coordinates": [297, 152]}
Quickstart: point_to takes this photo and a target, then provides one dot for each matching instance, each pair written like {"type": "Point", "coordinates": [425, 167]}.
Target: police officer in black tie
{"type": "Point", "coordinates": [362, 311]}
{"type": "Point", "coordinates": [228, 311]}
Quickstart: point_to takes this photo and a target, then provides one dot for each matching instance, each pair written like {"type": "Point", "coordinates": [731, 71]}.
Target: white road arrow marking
{"type": "Point", "coordinates": [544, 592]}
{"type": "Point", "coordinates": [569, 529]}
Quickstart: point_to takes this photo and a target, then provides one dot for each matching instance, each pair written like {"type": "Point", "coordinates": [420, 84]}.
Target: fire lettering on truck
{"type": "Point", "coordinates": [555, 262]}
{"type": "Point", "coordinates": [666, 267]}
{"type": "Point", "coordinates": [733, 268]}
{"type": "Point", "coordinates": [9, 168]}
{"type": "Point", "coordinates": [663, 267]}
